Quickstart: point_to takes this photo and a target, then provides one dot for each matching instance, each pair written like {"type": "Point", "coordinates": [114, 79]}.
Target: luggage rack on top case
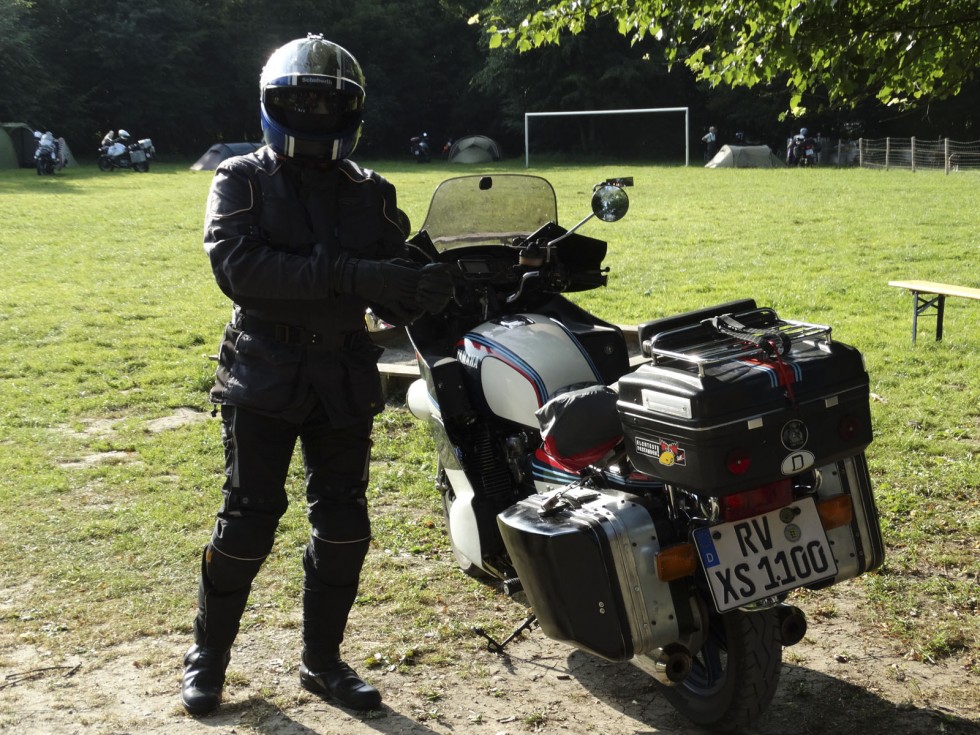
{"type": "Point", "coordinates": [756, 334]}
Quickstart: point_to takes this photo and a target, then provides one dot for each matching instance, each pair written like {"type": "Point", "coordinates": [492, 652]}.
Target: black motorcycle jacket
{"type": "Point", "coordinates": [273, 231]}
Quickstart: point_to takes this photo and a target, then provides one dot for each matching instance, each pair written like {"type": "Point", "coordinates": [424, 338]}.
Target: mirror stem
{"type": "Point", "coordinates": [570, 231]}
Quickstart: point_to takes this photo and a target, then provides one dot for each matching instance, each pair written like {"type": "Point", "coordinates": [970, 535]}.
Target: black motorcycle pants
{"type": "Point", "coordinates": [258, 450]}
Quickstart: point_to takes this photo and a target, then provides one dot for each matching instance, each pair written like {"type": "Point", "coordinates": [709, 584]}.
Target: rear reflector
{"type": "Point", "coordinates": [738, 461]}
{"type": "Point", "coordinates": [849, 427]}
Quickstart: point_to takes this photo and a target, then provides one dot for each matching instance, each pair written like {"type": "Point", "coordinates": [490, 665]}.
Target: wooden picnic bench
{"type": "Point", "coordinates": [930, 295]}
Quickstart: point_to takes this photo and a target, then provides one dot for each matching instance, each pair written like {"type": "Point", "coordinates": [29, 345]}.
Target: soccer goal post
{"type": "Point", "coordinates": [685, 110]}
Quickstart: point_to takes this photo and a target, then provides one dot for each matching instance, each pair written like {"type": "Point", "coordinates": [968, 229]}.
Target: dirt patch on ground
{"type": "Point", "coordinates": [842, 678]}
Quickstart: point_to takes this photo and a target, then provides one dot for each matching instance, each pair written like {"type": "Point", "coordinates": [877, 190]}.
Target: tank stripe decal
{"type": "Point", "coordinates": [510, 358]}
{"type": "Point", "coordinates": [586, 355]}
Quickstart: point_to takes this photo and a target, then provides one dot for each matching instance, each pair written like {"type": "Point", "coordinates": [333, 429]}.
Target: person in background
{"type": "Point", "coordinates": [302, 240]}
{"type": "Point", "coordinates": [710, 140]}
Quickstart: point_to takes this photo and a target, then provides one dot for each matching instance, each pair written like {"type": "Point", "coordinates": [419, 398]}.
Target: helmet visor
{"type": "Point", "coordinates": [319, 111]}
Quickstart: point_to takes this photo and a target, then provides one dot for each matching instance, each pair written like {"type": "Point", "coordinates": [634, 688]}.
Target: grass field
{"type": "Point", "coordinates": [108, 312]}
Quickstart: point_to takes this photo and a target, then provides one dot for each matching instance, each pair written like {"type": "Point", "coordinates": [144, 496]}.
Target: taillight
{"type": "Point", "coordinates": [757, 501]}
{"type": "Point", "coordinates": [738, 461]}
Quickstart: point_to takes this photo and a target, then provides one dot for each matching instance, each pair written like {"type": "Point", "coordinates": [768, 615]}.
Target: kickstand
{"type": "Point", "coordinates": [498, 648]}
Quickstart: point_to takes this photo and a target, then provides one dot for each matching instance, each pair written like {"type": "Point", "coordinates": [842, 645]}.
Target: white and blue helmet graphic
{"type": "Point", "coordinates": [312, 100]}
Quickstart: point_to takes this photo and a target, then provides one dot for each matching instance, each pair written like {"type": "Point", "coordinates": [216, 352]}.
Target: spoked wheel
{"type": "Point", "coordinates": [735, 673]}
{"type": "Point", "coordinates": [448, 498]}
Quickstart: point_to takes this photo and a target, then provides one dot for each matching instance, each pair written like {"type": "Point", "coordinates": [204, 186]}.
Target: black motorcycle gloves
{"type": "Point", "coordinates": [381, 281]}
{"type": "Point", "coordinates": [396, 283]}
{"type": "Point", "coordinates": [435, 288]}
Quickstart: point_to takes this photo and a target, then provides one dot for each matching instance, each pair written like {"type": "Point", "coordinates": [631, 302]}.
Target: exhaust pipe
{"type": "Point", "coordinates": [792, 624]}
{"type": "Point", "coordinates": [671, 664]}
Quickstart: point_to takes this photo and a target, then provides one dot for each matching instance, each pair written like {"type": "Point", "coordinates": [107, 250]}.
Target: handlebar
{"type": "Point", "coordinates": [527, 277]}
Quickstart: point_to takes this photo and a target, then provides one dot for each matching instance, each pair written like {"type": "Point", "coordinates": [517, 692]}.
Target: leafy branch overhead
{"type": "Point", "coordinates": [902, 52]}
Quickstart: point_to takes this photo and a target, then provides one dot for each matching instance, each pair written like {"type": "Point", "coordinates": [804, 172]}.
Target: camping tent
{"type": "Point", "coordinates": [219, 152]}
{"type": "Point", "coordinates": [747, 156]}
{"type": "Point", "coordinates": [474, 149]}
{"type": "Point", "coordinates": [66, 153]}
{"type": "Point", "coordinates": [17, 146]}
{"type": "Point", "coordinates": [21, 137]}
{"type": "Point", "coordinates": [8, 156]}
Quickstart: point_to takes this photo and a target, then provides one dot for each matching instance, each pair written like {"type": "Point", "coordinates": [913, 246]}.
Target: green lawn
{"type": "Point", "coordinates": [108, 313]}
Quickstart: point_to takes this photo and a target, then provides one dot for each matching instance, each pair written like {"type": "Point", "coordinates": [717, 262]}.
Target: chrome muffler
{"type": "Point", "coordinates": [668, 665]}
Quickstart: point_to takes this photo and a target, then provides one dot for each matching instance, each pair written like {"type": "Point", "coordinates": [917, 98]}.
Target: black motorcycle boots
{"type": "Point", "coordinates": [204, 678]}
{"type": "Point", "coordinates": [331, 677]}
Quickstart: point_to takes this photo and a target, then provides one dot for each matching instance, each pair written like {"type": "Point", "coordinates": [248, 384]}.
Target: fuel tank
{"type": "Point", "coordinates": [514, 364]}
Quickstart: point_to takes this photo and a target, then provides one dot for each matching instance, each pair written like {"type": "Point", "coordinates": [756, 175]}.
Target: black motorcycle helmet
{"type": "Point", "coordinates": [312, 100]}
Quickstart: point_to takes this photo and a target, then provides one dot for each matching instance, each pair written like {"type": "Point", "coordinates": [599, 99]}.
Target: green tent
{"type": "Point", "coordinates": [8, 156]}
{"type": "Point", "coordinates": [21, 138]}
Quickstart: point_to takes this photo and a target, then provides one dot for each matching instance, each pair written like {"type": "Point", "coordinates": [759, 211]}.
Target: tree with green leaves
{"type": "Point", "coordinates": [900, 52]}
{"type": "Point", "coordinates": [21, 73]}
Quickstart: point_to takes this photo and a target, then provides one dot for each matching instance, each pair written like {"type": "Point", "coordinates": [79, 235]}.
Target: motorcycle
{"type": "Point", "coordinates": [802, 152]}
{"type": "Point", "coordinates": [657, 509]}
{"type": "Point", "coordinates": [419, 147]}
{"type": "Point", "coordinates": [46, 158]}
{"type": "Point", "coordinates": [135, 156]}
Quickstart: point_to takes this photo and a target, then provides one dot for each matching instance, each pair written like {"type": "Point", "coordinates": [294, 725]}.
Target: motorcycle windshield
{"type": "Point", "coordinates": [488, 210]}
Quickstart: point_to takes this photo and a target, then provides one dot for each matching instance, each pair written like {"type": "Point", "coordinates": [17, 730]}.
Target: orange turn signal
{"type": "Point", "coordinates": [835, 511]}
{"type": "Point", "coordinates": [675, 562]}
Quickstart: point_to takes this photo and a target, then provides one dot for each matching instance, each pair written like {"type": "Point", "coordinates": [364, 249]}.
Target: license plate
{"type": "Point", "coordinates": [749, 560]}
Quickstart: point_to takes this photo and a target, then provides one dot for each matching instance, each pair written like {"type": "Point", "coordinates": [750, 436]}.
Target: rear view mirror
{"type": "Point", "coordinates": [609, 203]}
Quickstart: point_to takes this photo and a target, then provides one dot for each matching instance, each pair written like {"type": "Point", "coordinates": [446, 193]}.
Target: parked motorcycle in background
{"type": "Point", "coordinates": [135, 156]}
{"type": "Point", "coordinates": [656, 509]}
{"type": "Point", "coordinates": [47, 156]}
{"type": "Point", "coordinates": [420, 149]}
{"type": "Point", "coordinates": [802, 150]}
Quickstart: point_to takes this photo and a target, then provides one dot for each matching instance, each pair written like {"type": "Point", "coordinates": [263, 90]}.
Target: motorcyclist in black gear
{"type": "Point", "coordinates": [302, 240]}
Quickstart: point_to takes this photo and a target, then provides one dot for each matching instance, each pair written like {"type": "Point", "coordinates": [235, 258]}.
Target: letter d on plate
{"type": "Point", "coordinates": [797, 462]}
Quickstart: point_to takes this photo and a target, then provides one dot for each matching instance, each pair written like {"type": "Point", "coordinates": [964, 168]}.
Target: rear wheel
{"type": "Point", "coordinates": [735, 674]}
{"type": "Point", "coordinates": [141, 167]}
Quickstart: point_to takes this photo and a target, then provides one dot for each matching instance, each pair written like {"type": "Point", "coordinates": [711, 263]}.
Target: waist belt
{"type": "Point", "coordinates": [293, 335]}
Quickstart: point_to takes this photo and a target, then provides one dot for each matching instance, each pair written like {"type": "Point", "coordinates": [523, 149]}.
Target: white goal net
{"type": "Point", "coordinates": [676, 134]}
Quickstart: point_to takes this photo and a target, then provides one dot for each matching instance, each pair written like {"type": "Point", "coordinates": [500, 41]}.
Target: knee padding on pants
{"type": "Point", "coordinates": [228, 573]}
{"type": "Point", "coordinates": [340, 521]}
{"type": "Point", "coordinates": [335, 564]}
